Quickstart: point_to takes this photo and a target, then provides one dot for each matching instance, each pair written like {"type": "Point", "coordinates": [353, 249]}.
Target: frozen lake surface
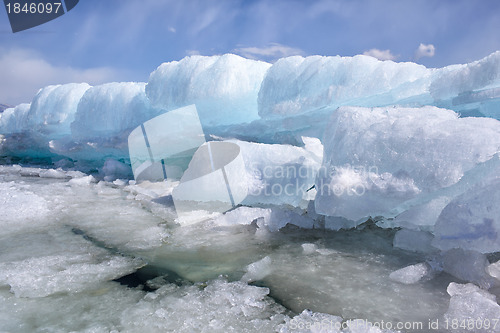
{"type": "Point", "coordinates": [86, 256]}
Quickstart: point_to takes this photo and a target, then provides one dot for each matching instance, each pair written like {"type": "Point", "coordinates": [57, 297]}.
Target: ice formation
{"type": "Point", "coordinates": [296, 85]}
{"type": "Point", "coordinates": [410, 274]}
{"type": "Point", "coordinates": [473, 306]}
{"type": "Point", "coordinates": [111, 109]}
{"type": "Point", "coordinates": [471, 221]}
{"type": "Point", "coordinates": [388, 161]}
{"type": "Point", "coordinates": [293, 153]}
{"type": "Point", "coordinates": [53, 109]}
{"type": "Point", "coordinates": [224, 88]}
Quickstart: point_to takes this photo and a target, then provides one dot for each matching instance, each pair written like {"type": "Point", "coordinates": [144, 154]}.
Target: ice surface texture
{"type": "Point", "coordinates": [293, 97]}
{"type": "Point", "coordinates": [224, 88]}
{"type": "Point", "coordinates": [400, 162]}
{"type": "Point", "coordinates": [390, 161]}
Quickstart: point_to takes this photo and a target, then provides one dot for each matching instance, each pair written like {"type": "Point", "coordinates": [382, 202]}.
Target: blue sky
{"type": "Point", "coordinates": [124, 40]}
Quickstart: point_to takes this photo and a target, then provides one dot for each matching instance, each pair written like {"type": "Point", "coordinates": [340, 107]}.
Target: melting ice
{"type": "Point", "coordinates": [352, 188]}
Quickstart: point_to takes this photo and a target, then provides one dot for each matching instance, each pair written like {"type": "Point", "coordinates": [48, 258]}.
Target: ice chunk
{"type": "Point", "coordinates": [314, 146]}
{"type": "Point", "coordinates": [468, 266]}
{"type": "Point", "coordinates": [14, 120]}
{"type": "Point", "coordinates": [472, 306]}
{"type": "Point", "coordinates": [218, 307]}
{"type": "Point", "coordinates": [258, 270]}
{"type": "Point", "coordinates": [53, 173]}
{"type": "Point", "coordinates": [411, 274]}
{"type": "Point", "coordinates": [384, 161]}
{"type": "Point", "coordinates": [54, 107]}
{"type": "Point", "coordinates": [309, 248]}
{"type": "Point", "coordinates": [413, 240]}
{"type": "Point", "coordinates": [472, 220]}
{"type": "Point", "coordinates": [224, 88]}
{"type": "Point", "coordinates": [83, 181]}
{"type": "Point", "coordinates": [110, 109]}
{"type": "Point", "coordinates": [278, 174]}
{"type": "Point", "coordinates": [296, 85]}
{"type": "Point", "coordinates": [252, 174]}
{"type": "Point", "coordinates": [494, 269]}
{"type": "Point", "coordinates": [114, 169]}
{"type": "Point", "coordinates": [455, 80]}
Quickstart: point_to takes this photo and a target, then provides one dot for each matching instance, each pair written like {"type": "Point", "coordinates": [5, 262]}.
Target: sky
{"type": "Point", "coordinates": [125, 40]}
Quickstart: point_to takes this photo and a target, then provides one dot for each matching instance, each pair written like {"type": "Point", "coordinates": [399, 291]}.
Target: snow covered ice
{"type": "Point", "coordinates": [346, 189]}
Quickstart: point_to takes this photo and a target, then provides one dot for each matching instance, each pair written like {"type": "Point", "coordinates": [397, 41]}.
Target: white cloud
{"type": "Point", "coordinates": [192, 52]}
{"type": "Point", "coordinates": [380, 54]}
{"type": "Point", "coordinates": [425, 51]}
{"type": "Point", "coordinates": [269, 52]}
{"type": "Point", "coordinates": [24, 73]}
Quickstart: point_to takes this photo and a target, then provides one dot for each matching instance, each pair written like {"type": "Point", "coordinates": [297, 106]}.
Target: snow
{"type": "Point", "coordinates": [224, 88]}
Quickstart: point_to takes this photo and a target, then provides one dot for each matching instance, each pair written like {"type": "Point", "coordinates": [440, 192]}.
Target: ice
{"type": "Point", "coordinates": [414, 240]}
{"type": "Point", "coordinates": [220, 306]}
{"type": "Point", "coordinates": [14, 120]}
{"type": "Point", "coordinates": [385, 161]}
{"type": "Point", "coordinates": [471, 309]}
{"type": "Point", "coordinates": [240, 98]}
{"type": "Point", "coordinates": [47, 275]}
{"type": "Point", "coordinates": [459, 79]}
{"type": "Point", "coordinates": [20, 205]}
{"type": "Point", "coordinates": [468, 266]}
{"type": "Point", "coordinates": [296, 85]}
{"type": "Point", "coordinates": [411, 274]}
{"type": "Point", "coordinates": [61, 263]}
{"type": "Point", "coordinates": [272, 219]}
{"type": "Point", "coordinates": [278, 174]}
{"type": "Point", "coordinates": [224, 174]}
{"type": "Point", "coordinates": [471, 221]}
{"type": "Point", "coordinates": [494, 269]}
{"type": "Point", "coordinates": [113, 169]}
{"type": "Point", "coordinates": [309, 248]}
{"type": "Point", "coordinates": [110, 109]}
{"type": "Point", "coordinates": [258, 270]}
{"type": "Point", "coordinates": [224, 88]}
{"type": "Point", "coordinates": [53, 109]}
